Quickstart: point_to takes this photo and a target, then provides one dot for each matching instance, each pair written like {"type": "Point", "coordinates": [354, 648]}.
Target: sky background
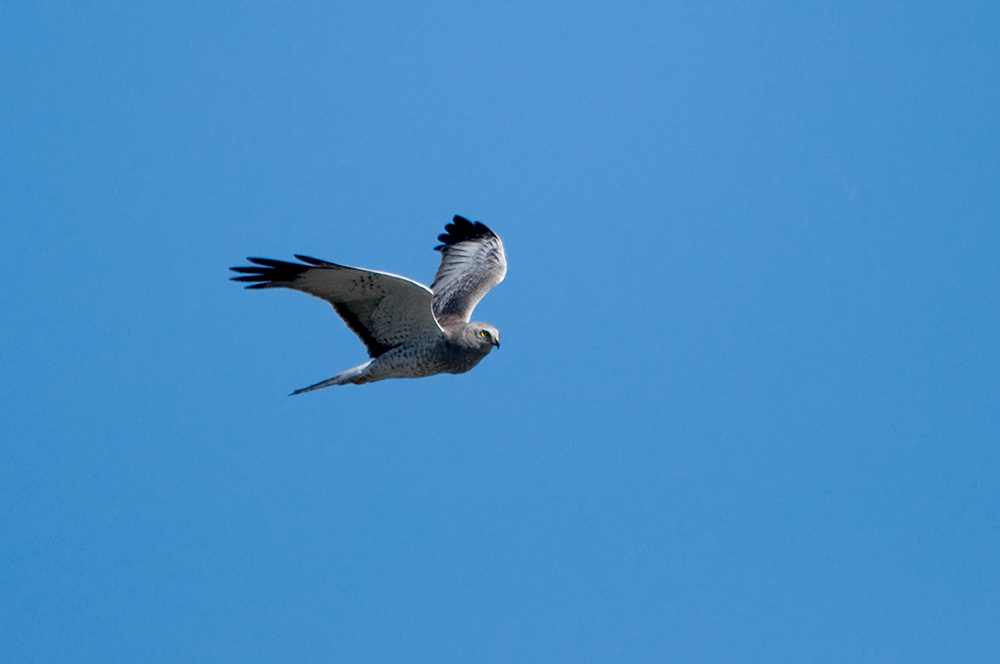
{"type": "Point", "coordinates": [747, 406]}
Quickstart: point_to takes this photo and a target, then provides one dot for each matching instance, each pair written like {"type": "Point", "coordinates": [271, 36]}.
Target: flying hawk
{"type": "Point", "coordinates": [410, 331]}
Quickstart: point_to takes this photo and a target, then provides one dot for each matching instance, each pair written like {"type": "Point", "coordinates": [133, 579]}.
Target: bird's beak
{"type": "Point", "coordinates": [496, 342]}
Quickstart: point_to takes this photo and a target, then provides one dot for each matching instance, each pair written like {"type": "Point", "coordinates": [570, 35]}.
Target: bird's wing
{"type": "Point", "coordinates": [472, 262]}
{"type": "Point", "coordinates": [384, 310]}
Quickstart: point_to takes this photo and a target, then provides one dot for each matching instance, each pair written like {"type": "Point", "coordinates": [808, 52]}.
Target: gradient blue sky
{"type": "Point", "coordinates": [747, 405]}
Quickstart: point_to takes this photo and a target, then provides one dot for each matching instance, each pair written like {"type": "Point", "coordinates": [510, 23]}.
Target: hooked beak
{"type": "Point", "coordinates": [496, 342]}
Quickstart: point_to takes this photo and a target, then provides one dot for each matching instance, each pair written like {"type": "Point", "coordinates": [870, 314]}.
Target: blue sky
{"type": "Point", "coordinates": [747, 405]}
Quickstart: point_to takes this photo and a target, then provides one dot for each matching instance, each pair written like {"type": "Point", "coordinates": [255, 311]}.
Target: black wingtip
{"type": "Point", "coordinates": [460, 230]}
{"type": "Point", "coordinates": [268, 272]}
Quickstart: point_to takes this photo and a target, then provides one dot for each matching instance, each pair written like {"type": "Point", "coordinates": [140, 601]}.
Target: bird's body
{"type": "Point", "coordinates": [410, 331]}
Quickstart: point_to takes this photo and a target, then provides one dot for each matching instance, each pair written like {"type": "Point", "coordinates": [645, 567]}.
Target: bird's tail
{"type": "Point", "coordinates": [349, 376]}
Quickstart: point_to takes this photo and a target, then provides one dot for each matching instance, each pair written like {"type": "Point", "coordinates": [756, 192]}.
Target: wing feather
{"type": "Point", "coordinates": [384, 310]}
{"type": "Point", "coordinates": [472, 262]}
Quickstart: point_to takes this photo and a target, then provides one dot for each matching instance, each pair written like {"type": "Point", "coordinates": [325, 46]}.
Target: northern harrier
{"type": "Point", "coordinates": [410, 331]}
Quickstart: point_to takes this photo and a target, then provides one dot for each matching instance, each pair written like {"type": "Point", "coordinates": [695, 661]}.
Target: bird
{"type": "Point", "coordinates": [409, 330]}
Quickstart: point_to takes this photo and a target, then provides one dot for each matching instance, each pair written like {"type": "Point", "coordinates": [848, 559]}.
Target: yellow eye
{"type": "Point", "coordinates": [484, 334]}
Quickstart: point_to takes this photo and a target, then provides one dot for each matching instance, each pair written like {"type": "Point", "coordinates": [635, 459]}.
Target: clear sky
{"type": "Point", "coordinates": [747, 405]}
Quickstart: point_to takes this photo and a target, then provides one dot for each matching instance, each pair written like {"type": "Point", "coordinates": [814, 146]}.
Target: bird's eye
{"type": "Point", "coordinates": [484, 334]}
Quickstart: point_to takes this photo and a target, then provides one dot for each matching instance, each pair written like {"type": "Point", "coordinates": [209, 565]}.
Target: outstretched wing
{"type": "Point", "coordinates": [472, 262]}
{"type": "Point", "coordinates": [384, 310]}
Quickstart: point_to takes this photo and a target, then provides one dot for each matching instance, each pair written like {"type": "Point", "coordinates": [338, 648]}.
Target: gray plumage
{"type": "Point", "coordinates": [410, 331]}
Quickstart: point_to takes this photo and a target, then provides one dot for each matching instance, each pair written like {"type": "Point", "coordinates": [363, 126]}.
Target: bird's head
{"type": "Point", "coordinates": [487, 336]}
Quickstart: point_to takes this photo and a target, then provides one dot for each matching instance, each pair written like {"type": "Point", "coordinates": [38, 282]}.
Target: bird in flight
{"type": "Point", "coordinates": [410, 330]}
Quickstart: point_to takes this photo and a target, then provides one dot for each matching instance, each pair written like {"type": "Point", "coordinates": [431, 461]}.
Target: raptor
{"type": "Point", "coordinates": [409, 330]}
